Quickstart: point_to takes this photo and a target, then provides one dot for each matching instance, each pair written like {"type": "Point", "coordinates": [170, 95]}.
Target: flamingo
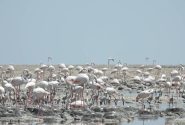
{"type": "Point", "coordinates": [65, 71]}
{"type": "Point", "coordinates": [137, 79]}
{"type": "Point", "coordinates": [38, 74]}
{"type": "Point", "coordinates": [29, 88]}
{"type": "Point", "coordinates": [124, 72]}
{"type": "Point", "coordinates": [42, 84]}
{"type": "Point", "coordinates": [10, 70]}
{"type": "Point", "coordinates": [104, 70]}
{"type": "Point", "coordinates": [1, 68]}
{"type": "Point", "coordinates": [52, 77]}
{"type": "Point", "coordinates": [27, 74]}
{"type": "Point", "coordinates": [162, 81]}
{"type": "Point", "coordinates": [159, 67]}
{"type": "Point", "coordinates": [174, 73]}
{"type": "Point", "coordinates": [17, 82]}
{"type": "Point", "coordinates": [43, 67]}
{"type": "Point", "coordinates": [9, 88]}
{"type": "Point", "coordinates": [144, 94]}
{"type": "Point", "coordinates": [114, 82]}
{"type": "Point", "coordinates": [146, 74]}
{"type": "Point", "coordinates": [79, 68]}
{"type": "Point", "coordinates": [100, 81]}
{"type": "Point", "coordinates": [114, 71]}
{"type": "Point", "coordinates": [51, 70]}
{"type": "Point", "coordinates": [168, 86]}
{"type": "Point", "coordinates": [70, 84]}
{"type": "Point", "coordinates": [111, 91]}
{"type": "Point", "coordinates": [39, 95]}
{"type": "Point", "coordinates": [150, 70]}
{"type": "Point", "coordinates": [77, 90]}
{"type": "Point", "coordinates": [53, 86]}
{"type": "Point", "coordinates": [91, 75]}
{"type": "Point", "coordinates": [176, 82]}
{"type": "Point", "coordinates": [149, 80]}
{"type": "Point", "coordinates": [81, 80]}
{"type": "Point", "coordinates": [181, 68]}
{"type": "Point", "coordinates": [142, 67]}
{"type": "Point", "coordinates": [118, 66]}
{"type": "Point", "coordinates": [138, 71]}
{"type": "Point", "coordinates": [98, 73]}
{"type": "Point", "coordinates": [70, 80]}
{"type": "Point", "coordinates": [96, 88]}
{"type": "Point", "coordinates": [2, 93]}
{"type": "Point", "coordinates": [104, 78]}
{"type": "Point", "coordinates": [78, 104]}
{"type": "Point", "coordinates": [61, 66]}
{"type": "Point", "coordinates": [70, 67]}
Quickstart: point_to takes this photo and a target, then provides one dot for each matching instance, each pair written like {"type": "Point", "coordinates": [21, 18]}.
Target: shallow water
{"type": "Point", "coordinates": [130, 98]}
{"type": "Point", "coordinates": [137, 121]}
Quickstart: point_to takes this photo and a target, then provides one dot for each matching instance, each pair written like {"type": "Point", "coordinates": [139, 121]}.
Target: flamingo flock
{"type": "Point", "coordinates": [83, 86]}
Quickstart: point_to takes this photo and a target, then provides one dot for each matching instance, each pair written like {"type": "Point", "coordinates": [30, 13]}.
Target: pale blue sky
{"type": "Point", "coordinates": [82, 31]}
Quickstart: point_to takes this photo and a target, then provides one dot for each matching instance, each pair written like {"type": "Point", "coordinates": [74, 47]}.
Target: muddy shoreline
{"type": "Point", "coordinates": [97, 114]}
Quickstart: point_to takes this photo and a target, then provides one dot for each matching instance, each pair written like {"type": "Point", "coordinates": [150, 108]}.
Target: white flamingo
{"type": "Point", "coordinates": [124, 72]}
{"type": "Point", "coordinates": [111, 91]}
{"type": "Point", "coordinates": [61, 66]}
{"type": "Point", "coordinates": [42, 84]}
{"type": "Point", "coordinates": [65, 71]}
{"type": "Point", "coordinates": [143, 95]}
{"type": "Point", "coordinates": [137, 79]}
{"type": "Point", "coordinates": [100, 81]}
{"type": "Point", "coordinates": [176, 82]}
{"type": "Point", "coordinates": [98, 73]}
{"type": "Point", "coordinates": [115, 82]}
{"type": "Point", "coordinates": [168, 86]}
{"type": "Point", "coordinates": [29, 88]}
{"type": "Point", "coordinates": [104, 70]}
{"type": "Point", "coordinates": [79, 68]}
{"type": "Point", "coordinates": [43, 67]}
{"type": "Point", "coordinates": [9, 88]}
{"type": "Point", "coordinates": [174, 73]}
{"type": "Point", "coordinates": [78, 104]}
{"type": "Point", "coordinates": [39, 95]}
{"type": "Point", "coordinates": [114, 71]}
{"type": "Point", "coordinates": [104, 78]}
{"type": "Point", "coordinates": [53, 85]}
{"type": "Point", "coordinates": [2, 93]}
{"type": "Point", "coordinates": [81, 80]}
{"type": "Point", "coordinates": [17, 82]}
{"type": "Point", "coordinates": [38, 74]}
{"type": "Point", "coordinates": [77, 91]}
{"type": "Point", "coordinates": [10, 70]}
{"type": "Point", "coordinates": [70, 67]}
{"type": "Point", "coordinates": [51, 70]}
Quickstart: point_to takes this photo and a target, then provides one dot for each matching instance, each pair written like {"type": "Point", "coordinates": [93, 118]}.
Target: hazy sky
{"type": "Point", "coordinates": [84, 31]}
